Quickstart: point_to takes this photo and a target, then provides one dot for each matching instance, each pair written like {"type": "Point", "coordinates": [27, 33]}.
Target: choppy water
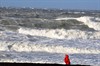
{"type": "Point", "coordinates": [74, 33]}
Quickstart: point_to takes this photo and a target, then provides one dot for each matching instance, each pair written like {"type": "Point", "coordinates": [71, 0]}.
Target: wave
{"type": "Point", "coordinates": [16, 47]}
{"type": "Point", "coordinates": [10, 41]}
{"type": "Point", "coordinates": [92, 22]}
{"type": "Point", "coordinates": [65, 46]}
{"type": "Point", "coordinates": [61, 33]}
{"type": "Point", "coordinates": [84, 23]}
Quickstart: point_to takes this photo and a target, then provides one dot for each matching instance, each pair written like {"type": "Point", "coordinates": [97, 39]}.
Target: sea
{"type": "Point", "coordinates": [31, 35]}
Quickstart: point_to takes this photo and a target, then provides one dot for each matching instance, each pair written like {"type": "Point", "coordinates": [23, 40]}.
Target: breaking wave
{"type": "Point", "coordinates": [31, 47]}
{"type": "Point", "coordinates": [12, 41]}
{"type": "Point", "coordinates": [85, 23]}
{"type": "Point", "coordinates": [92, 22]}
{"type": "Point", "coordinates": [61, 33]}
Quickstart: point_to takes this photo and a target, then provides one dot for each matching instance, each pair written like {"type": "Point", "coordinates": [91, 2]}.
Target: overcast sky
{"type": "Point", "coordinates": [64, 4]}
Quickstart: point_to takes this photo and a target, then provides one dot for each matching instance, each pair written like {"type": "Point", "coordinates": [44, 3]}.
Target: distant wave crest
{"type": "Point", "coordinates": [92, 22]}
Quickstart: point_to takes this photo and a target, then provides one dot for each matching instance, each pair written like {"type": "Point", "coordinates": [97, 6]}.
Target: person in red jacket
{"type": "Point", "coordinates": [67, 60]}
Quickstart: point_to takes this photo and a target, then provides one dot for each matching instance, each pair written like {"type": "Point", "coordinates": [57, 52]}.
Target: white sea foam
{"type": "Point", "coordinates": [91, 22]}
{"type": "Point", "coordinates": [31, 47]}
{"type": "Point", "coordinates": [17, 42]}
{"type": "Point", "coordinates": [15, 47]}
{"type": "Point", "coordinates": [50, 45]}
{"type": "Point", "coordinates": [61, 33]}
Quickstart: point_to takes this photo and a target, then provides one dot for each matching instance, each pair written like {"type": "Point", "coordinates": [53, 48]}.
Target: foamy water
{"type": "Point", "coordinates": [17, 47]}
{"type": "Point", "coordinates": [61, 33]}
{"type": "Point", "coordinates": [44, 45]}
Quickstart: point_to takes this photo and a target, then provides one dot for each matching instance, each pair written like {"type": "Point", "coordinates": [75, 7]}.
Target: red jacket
{"type": "Point", "coordinates": [67, 60]}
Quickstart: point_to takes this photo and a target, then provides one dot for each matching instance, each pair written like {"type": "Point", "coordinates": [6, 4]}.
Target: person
{"type": "Point", "coordinates": [67, 60]}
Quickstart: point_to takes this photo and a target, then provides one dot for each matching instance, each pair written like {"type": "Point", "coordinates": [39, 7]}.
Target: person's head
{"type": "Point", "coordinates": [66, 56]}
